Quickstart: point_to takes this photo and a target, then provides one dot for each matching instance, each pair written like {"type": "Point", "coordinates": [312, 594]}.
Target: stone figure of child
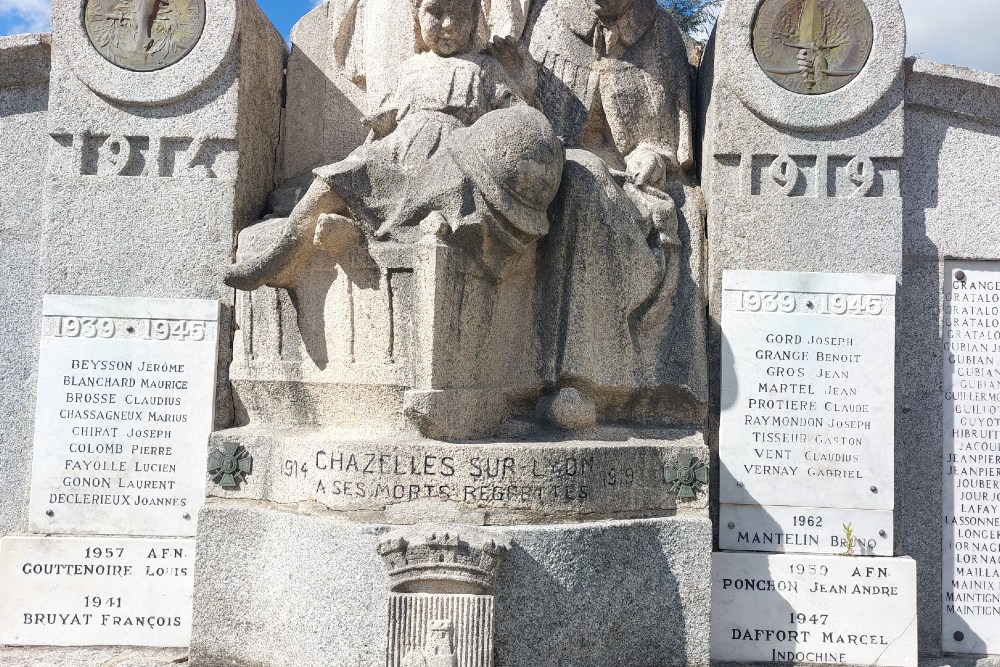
{"type": "Point", "coordinates": [381, 189]}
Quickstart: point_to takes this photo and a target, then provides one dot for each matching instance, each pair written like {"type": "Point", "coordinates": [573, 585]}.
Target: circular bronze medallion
{"type": "Point", "coordinates": [144, 35]}
{"type": "Point", "coordinates": [812, 46]}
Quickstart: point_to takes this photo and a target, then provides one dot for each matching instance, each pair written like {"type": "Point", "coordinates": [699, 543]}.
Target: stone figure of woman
{"type": "Point", "coordinates": [624, 316]}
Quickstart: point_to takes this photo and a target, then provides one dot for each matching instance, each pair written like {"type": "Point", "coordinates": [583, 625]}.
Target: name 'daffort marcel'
{"type": "Point", "coordinates": [801, 637]}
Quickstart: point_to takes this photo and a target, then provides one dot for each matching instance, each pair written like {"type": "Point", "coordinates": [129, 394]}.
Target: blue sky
{"type": "Point", "coordinates": [960, 32]}
{"type": "Point", "coordinates": [284, 13]}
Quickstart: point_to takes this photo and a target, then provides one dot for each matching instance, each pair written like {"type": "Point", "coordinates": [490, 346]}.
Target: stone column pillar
{"type": "Point", "coordinates": [162, 148]}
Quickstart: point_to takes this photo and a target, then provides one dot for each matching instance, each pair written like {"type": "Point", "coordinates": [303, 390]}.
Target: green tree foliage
{"type": "Point", "coordinates": [692, 16]}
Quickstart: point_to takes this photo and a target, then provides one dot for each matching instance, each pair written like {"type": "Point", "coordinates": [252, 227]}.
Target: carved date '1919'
{"type": "Point", "coordinates": [813, 304]}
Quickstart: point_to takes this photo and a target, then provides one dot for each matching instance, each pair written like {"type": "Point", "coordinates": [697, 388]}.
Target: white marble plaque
{"type": "Point", "coordinates": [971, 562]}
{"type": "Point", "coordinates": [808, 393]}
{"type": "Point", "coordinates": [125, 408]}
{"type": "Point", "coordinates": [96, 591]}
{"type": "Point", "coordinates": [780, 608]}
{"type": "Point", "coordinates": [813, 530]}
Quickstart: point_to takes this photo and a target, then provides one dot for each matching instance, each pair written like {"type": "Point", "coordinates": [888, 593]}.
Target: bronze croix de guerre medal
{"type": "Point", "coordinates": [144, 35]}
{"type": "Point", "coordinates": [812, 46]}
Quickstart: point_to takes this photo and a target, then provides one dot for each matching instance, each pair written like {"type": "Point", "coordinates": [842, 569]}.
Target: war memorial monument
{"type": "Point", "coordinates": [485, 334]}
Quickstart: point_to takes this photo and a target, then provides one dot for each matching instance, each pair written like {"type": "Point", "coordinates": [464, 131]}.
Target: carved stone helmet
{"type": "Point", "coordinates": [516, 160]}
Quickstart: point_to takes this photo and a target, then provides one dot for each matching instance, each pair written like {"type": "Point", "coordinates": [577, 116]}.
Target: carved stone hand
{"type": "Point", "coordinates": [646, 167]}
{"type": "Point", "coordinates": [518, 63]}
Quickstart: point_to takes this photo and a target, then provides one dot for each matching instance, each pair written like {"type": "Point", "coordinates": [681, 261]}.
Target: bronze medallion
{"type": "Point", "coordinates": [812, 46]}
{"type": "Point", "coordinates": [144, 35]}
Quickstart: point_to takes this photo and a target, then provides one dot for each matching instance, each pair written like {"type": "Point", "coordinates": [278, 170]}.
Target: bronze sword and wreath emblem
{"type": "Point", "coordinates": [812, 46]}
{"type": "Point", "coordinates": [144, 35]}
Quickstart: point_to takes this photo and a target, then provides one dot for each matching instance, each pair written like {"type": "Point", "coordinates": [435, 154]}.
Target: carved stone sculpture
{"type": "Point", "coordinates": [618, 282]}
{"type": "Point", "coordinates": [486, 235]}
{"type": "Point", "coordinates": [457, 270]}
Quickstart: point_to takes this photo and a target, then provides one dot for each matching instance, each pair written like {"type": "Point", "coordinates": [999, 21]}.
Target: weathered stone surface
{"type": "Point", "coordinates": [566, 592]}
{"type": "Point", "coordinates": [951, 143]}
{"type": "Point", "coordinates": [427, 284]}
{"type": "Point", "coordinates": [24, 69]}
{"type": "Point", "coordinates": [109, 73]}
{"type": "Point", "coordinates": [107, 656]}
{"type": "Point", "coordinates": [157, 170]}
{"type": "Point", "coordinates": [808, 183]}
{"type": "Point", "coordinates": [567, 409]}
{"type": "Point", "coordinates": [797, 182]}
{"type": "Point", "coordinates": [735, 67]}
{"type": "Point", "coordinates": [408, 479]}
{"type": "Point", "coordinates": [800, 182]}
{"type": "Point", "coordinates": [775, 177]}
{"type": "Point", "coordinates": [441, 604]}
{"type": "Point", "coordinates": [434, 294]}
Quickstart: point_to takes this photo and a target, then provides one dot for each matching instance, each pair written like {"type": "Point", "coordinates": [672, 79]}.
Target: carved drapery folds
{"type": "Point", "coordinates": [459, 267]}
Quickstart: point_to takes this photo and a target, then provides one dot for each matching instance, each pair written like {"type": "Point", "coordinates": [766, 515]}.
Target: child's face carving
{"type": "Point", "coordinates": [446, 25]}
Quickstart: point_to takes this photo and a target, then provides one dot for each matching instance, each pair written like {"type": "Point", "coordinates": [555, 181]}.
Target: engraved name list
{"type": "Point", "coordinates": [125, 408]}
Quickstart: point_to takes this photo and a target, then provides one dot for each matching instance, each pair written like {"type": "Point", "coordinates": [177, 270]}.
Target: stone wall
{"type": "Point", "coordinates": [24, 97]}
{"type": "Point", "coordinates": [85, 239]}
{"type": "Point", "coordinates": [950, 210]}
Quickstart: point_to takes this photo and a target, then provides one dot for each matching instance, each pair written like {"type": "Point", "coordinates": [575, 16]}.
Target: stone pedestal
{"type": "Point", "coordinates": [160, 144]}
{"type": "Point", "coordinates": [407, 355]}
{"type": "Point", "coordinates": [287, 588]}
{"type": "Point", "coordinates": [607, 533]}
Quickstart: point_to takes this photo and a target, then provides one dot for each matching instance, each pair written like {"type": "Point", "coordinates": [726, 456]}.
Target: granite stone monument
{"type": "Point", "coordinates": [526, 337]}
{"type": "Point", "coordinates": [487, 314]}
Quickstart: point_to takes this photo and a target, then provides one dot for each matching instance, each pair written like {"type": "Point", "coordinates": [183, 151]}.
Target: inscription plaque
{"type": "Point", "coordinates": [807, 414]}
{"type": "Point", "coordinates": [971, 498]}
{"type": "Point", "coordinates": [125, 408]}
{"type": "Point", "coordinates": [95, 591]}
{"type": "Point", "coordinates": [814, 609]}
{"type": "Point", "coordinates": [813, 530]}
{"type": "Point", "coordinates": [144, 35]}
{"type": "Point", "coordinates": [812, 46]}
{"type": "Point", "coordinates": [503, 483]}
